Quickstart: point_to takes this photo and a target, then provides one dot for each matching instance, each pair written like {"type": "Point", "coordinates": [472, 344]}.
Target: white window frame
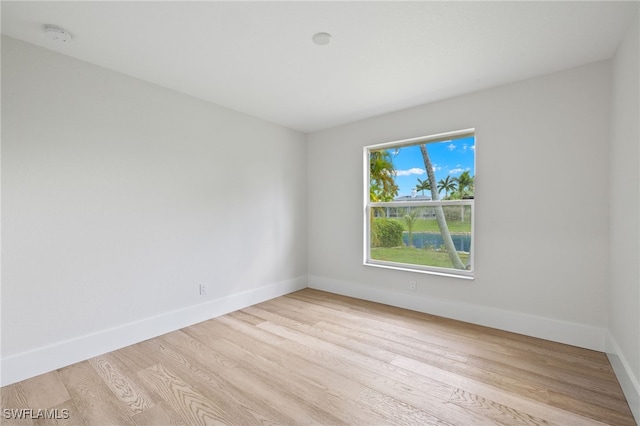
{"type": "Point", "coordinates": [368, 205]}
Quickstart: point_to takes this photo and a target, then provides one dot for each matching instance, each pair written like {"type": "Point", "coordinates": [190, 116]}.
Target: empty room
{"type": "Point", "coordinates": [365, 213]}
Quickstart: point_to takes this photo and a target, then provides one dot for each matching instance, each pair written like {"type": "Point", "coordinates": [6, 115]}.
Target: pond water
{"type": "Point", "coordinates": [462, 242]}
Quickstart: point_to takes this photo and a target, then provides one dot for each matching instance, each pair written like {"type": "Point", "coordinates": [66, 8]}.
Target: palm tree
{"type": "Point", "coordinates": [382, 184]}
{"type": "Point", "coordinates": [423, 185]}
{"type": "Point", "coordinates": [442, 222]}
{"type": "Point", "coordinates": [465, 181]}
{"type": "Point", "coordinates": [447, 184]}
{"type": "Point", "coordinates": [410, 220]}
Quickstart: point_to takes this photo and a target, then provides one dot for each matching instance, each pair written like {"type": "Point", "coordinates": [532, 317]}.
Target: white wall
{"type": "Point", "coordinates": [120, 197]}
{"type": "Point", "coordinates": [624, 190]}
{"type": "Point", "coordinates": [541, 207]}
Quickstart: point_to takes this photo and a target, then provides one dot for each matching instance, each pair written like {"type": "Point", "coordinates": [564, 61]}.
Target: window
{"type": "Point", "coordinates": [419, 204]}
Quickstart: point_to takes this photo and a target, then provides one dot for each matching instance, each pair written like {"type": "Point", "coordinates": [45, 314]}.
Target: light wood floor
{"type": "Point", "coordinates": [316, 358]}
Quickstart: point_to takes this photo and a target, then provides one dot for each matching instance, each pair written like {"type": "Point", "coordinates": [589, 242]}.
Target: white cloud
{"type": "Point", "coordinates": [458, 170]}
{"type": "Point", "coordinates": [451, 147]}
{"type": "Point", "coordinates": [413, 171]}
{"type": "Point", "coordinates": [472, 147]}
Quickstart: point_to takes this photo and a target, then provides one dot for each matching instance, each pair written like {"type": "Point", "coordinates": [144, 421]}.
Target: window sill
{"type": "Point", "coordinates": [465, 275]}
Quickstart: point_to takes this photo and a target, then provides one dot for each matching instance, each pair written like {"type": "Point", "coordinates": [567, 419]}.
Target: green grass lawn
{"type": "Point", "coordinates": [431, 225]}
{"type": "Point", "coordinates": [415, 256]}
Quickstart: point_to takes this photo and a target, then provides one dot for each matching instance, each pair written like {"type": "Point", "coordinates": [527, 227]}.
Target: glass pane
{"type": "Point", "coordinates": [436, 236]}
{"type": "Point", "coordinates": [401, 173]}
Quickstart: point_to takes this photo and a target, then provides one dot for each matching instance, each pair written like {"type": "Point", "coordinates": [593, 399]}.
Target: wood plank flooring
{"type": "Point", "coordinates": [317, 358]}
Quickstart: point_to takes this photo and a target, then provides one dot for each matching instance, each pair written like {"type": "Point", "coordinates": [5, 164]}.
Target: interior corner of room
{"type": "Point", "coordinates": [130, 210]}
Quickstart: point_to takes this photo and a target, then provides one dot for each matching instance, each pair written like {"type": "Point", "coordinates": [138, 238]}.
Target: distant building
{"type": "Point", "coordinates": [413, 197]}
{"type": "Point", "coordinates": [398, 212]}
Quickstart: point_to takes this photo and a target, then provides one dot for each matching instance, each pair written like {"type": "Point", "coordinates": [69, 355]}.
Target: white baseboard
{"type": "Point", "coordinates": [42, 360]}
{"type": "Point", "coordinates": [629, 383]}
{"type": "Point", "coordinates": [581, 335]}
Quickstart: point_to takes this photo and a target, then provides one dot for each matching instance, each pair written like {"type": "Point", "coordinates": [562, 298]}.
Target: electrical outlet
{"type": "Point", "coordinates": [413, 285]}
{"type": "Point", "coordinates": [203, 289]}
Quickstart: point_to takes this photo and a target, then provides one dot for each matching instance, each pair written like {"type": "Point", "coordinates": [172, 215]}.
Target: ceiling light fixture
{"type": "Point", "coordinates": [322, 39]}
{"type": "Point", "coordinates": [56, 33]}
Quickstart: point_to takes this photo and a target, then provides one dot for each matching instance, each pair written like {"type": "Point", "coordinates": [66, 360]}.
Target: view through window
{"type": "Point", "coordinates": [419, 204]}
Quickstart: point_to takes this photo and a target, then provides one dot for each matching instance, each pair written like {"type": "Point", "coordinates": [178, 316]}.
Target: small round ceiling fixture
{"type": "Point", "coordinates": [321, 39]}
{"type": "Point", "coordinates": [56, 33]}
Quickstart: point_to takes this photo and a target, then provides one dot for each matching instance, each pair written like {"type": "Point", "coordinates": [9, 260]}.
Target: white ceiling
{"type": "Point", "coordinates": [258, 57]}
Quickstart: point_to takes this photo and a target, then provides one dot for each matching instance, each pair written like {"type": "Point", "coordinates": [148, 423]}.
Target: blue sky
{"type": "Point", "coordinates": [448, 158]}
